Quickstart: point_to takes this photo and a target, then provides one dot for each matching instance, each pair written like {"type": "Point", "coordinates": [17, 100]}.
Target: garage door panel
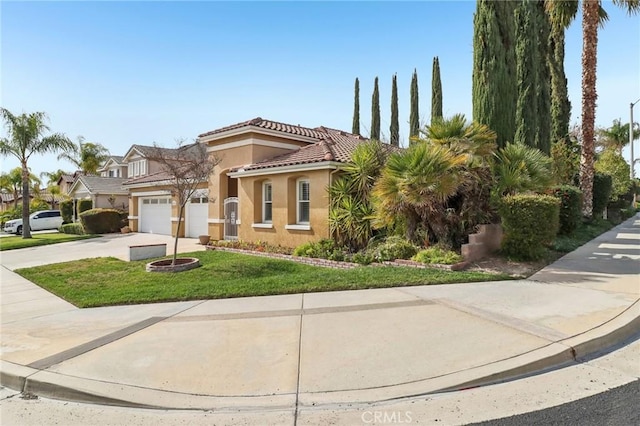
{"type": "Point", "coordinates": [197, 215]}
{"type": "Point", "coordinates": [155, 215]}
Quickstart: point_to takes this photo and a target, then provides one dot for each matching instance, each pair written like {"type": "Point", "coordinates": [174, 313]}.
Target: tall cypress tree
{"type": "Point", "coordinates": [375, 112]}
{"type": "Point", "coordinates": [414, 117]}
{"type": "Point", "coordinates": [527, 68]}
{"type": "Point", "coordinates": [394, 128]}
{"type": "Point", "coordinates": [355, 127]}
{"type": "Point", "coordinates": [543, 79]}
{"type": "Point", "coordinates": [560, 105]}
{"type": "Point", "coordinates": [436, 91]}
{"type": "Point", "coordinates": [494, 91]}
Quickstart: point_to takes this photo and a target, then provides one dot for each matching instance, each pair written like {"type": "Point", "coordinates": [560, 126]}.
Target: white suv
{"type": "Point", "coordinates": [45, 219]}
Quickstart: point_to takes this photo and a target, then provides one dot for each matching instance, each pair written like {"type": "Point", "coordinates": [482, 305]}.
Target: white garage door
{"type": "Point", "coordinates": [197, 215]}
{"type": "Point", "coordinates": [155, 215]}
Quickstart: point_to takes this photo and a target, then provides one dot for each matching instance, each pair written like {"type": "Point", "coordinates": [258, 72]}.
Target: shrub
{"type": "Point", "coordinates": [394, 248]}
{"type": "Point", "coordinates": [72, 228]}
{"type": "Point", "coordinates": [84, 205]}
{"type": "Point", "coordinates": [601, 192]}
{"type": "Point", "coordinates": [363, 258]}
{"type": "Point", "coordinates": [101, 221]}
{"type": "Point", "coordinates": [530, 222]}
{"type": "Point", "coordinates": [66, 210]}
{"type": "Point", "coordinates": [437, 255]}
{"type": "Point", "coordinates": [612, 163]}
{"type": "Point", "coordinates": [323, 249]}
{"type": "Point", "coordinates": [570, 207]}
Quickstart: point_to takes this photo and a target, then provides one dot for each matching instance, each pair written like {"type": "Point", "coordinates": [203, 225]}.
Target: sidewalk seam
{"type": "Point", "coordinates": [297, 403]}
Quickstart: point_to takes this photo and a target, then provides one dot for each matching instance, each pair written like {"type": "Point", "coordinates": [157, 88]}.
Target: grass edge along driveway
{"type": "Point", "coordinates": [110, 281]}
{"type": "Point", "coordinates": [17, 242]}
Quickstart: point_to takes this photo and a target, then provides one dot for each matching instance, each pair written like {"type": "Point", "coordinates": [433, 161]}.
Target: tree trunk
{"type": "Point", "coordinates": [590, 11]}
{"type": "Point", "coordinates": [26, 230]}
{"type": "Point", "coordinates": [175, 243]}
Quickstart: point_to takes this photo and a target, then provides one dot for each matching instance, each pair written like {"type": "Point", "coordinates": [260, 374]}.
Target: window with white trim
{"type": "Point", "coordinates": [302, 201]}
{"type": "Point", "coordinates": [267, 202]}
{"type": "Point", "coordinates": [137, 168]}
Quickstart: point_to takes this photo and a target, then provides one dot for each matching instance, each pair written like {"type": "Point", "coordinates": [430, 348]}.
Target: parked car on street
{"type": "Point", "coordinates": [38, 221]}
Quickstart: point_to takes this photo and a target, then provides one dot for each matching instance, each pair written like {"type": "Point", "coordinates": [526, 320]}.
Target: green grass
{"type": "Point", "coordinates": [17, 242]}
{"type": "Point", "coordinates": [582, 235]}
{"type": "Point", "coordinates": [109, 281]}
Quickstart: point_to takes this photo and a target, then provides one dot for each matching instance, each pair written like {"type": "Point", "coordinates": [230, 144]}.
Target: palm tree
{"type": "Point", "coordinates": [520, 168]}
{"type": "Point", "coordinates": [54, 177]}
{"type": "Point", "coordinates": [25, 138]}
{"type": "Point", "coordinates": [11, 182]}
{"type": "Point", "coordinates": [351, 211]}
{"type": "Point", "coordinates": [86, 156]}
{"type": "Point", "coordinates": [616, 137]}
{"type": "Point", "coordinates": [562, 12]}
{"type": "Point", "coordinates": [415, 186]}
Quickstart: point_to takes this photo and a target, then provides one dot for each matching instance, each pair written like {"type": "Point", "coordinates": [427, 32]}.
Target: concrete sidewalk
{"type": "Point", "coordinates": [309, 352]}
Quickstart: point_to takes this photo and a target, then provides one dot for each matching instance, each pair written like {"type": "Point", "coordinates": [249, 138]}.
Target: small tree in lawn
{"type": "Point", "coordinates": [188, 166]}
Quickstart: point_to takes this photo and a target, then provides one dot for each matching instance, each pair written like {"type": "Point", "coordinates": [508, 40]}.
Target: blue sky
{"type": "Point", "coordinates": [123, 73]}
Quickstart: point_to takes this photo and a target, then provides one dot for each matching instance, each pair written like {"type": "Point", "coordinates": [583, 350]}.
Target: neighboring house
{"type": "Point", "coordinates": [104, 192]}
{"type": "Point", "coordinates": [7, 200]}
{"type": "Point", "coordinates": [65, 182]}
{"type": "Point", "coordinates": [114, 167]}
{"type": "Point", "coordinates": [270, 185]}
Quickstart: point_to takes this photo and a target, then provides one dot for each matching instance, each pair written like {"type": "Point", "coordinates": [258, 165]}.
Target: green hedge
{"type": "Point", "coordinates": [602, 186]}
{"type": "Point", "coordinates": [66, 210]}
{"type": "Point", "coordinates": [84, 205]}
{"type": "Point", "coordinates": [101, 221]}
{"type": "Point", "coordinates": [570, 207]}
{"type": "Point", "coordinates": [530, 223]}
{"type": "Point", "coordinates": [72, 228]}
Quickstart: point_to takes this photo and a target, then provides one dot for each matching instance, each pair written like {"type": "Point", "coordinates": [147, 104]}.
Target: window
{"type": "Point", "coordinates": [267, 202]}
{"type": "Point", "coordinates": [137, 168]}
{"type": "Point", "coordinates": [303, 201]}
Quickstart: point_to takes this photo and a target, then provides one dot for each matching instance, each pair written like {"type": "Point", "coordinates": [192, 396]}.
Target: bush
{"type": "Point", "coordinates": [363, 258]}
{"type": "Point", "coordinates": [66, 210]}
{"type": "Point", "coordinates": [72, 228]}
{"type": "Point", "coordinates": [101, 221]}
{"type": "Point", "coordinates": [570, 207]}
{"type": "Point", "coordinates": [394, 248]}
{"type": "Point", "coordinates": [323, 249]}
{"type": "Point", "coordinates": [437, 255]}
{"type": "Point", "coordinates": [602, 184]}
{"type": "Point", "coordinates": [84, 205]}
{"type": "Point", "coordinates": [530, 223]}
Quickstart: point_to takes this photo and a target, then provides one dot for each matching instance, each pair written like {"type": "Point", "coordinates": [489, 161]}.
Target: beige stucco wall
{"type": "Point", "coordinates": [284, 187]}
{"type": "Point", "coordinates": [220, 185]}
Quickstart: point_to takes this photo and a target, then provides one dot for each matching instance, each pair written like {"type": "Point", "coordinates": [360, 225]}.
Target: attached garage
{"type": "Point", "coordinates": [197, 215]}
{"type": "Point", "coordinates": [155, 215]}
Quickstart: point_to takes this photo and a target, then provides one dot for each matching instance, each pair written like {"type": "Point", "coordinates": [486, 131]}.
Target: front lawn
{"type": "Point", "coordinates": [110, 281]}
{"type": "Point", "coordinates": [17, 242]}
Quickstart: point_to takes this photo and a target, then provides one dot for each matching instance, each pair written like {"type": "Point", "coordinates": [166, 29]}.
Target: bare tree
{"type": "Point", "coordinates": [187, 167]}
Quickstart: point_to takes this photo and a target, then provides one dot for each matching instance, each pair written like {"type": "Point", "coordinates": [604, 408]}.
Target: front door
{"type": "Point", "coordinates": [231, 218]}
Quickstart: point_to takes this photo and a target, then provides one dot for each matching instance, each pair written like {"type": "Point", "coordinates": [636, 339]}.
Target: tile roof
{"type": "Point", "coordinates": [99, 184]}
{"type": "Point", "coordinates": [261, 123]}
{"type": "Point", "coordinates": [334, 145]}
